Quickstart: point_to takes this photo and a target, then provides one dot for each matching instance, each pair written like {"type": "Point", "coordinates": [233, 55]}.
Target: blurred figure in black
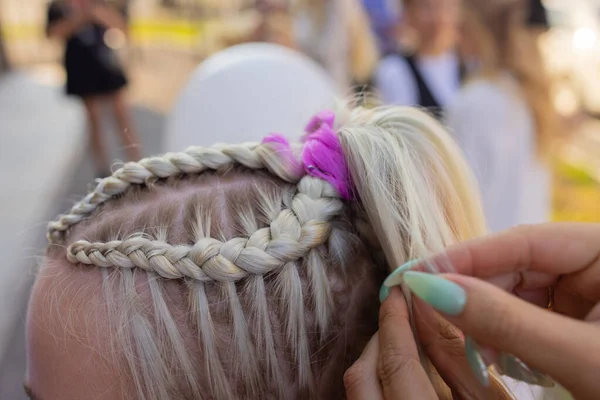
{"type": "Point", "coordinates": [537, 16]}
{"type": "Point", "coordinates": [94, 71]}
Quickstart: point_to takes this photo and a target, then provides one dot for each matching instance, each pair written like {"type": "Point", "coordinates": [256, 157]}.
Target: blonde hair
{"type": "Point", "coordinates": [504, 43]}
{"type": "Point", "coordinates": [264, 252]}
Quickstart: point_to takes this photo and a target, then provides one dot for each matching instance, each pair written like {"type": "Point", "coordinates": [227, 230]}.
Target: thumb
{"type": "Point", "coordinates": [564, 348]}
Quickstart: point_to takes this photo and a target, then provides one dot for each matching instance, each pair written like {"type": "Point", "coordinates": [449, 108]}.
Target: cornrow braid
{"type": "Point", "coordinates": [289, 237]}
{"type": "Point", "coordinates": [299, 229]}
{"type": "Point", "coordinates": [192, 161]}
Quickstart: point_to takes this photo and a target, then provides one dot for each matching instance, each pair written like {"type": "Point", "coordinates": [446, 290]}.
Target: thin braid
{"type": "Point", "coordinates": [209, 259]}
{"type": "Point", "coordinates": [192, 161]}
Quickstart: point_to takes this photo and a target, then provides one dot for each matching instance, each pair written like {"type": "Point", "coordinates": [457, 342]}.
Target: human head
{"type": "Point", "coordinates": [434, 23]}
{"type": "Point", "coordinates": [228, 272]}
{"type": "Point", "coordinates": [496, 37]}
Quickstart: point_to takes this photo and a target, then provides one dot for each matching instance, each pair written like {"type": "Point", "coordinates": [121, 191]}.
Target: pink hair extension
{"type": "Point", "coordinates": [323, 156]}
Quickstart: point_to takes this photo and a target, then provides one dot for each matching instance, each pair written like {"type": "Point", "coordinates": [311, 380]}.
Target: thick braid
{"type": "Point", "coordinates": [290, 236]}
{"type": "Point", "coordinates": [192, 161]}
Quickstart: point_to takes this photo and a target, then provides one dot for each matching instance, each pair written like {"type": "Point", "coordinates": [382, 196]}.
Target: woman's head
{"type": "Point", "coordinates": [495, 35]}
{"type": "Point", "coordinates": [486, 28]}
{"type": "Point", "coordinates": [229, 272]}
{"type": "Point", "coordinates": [435, 23]}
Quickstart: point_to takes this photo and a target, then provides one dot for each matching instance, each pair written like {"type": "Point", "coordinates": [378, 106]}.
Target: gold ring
{"type": "Point", "coordinates": [550, 298]}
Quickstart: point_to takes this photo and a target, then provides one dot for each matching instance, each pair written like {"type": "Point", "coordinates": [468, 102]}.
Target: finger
{"type": "Point", "coordinates": [552, 249]}
{"type": "Point", "coordinates": [562, 347]}
{"type": "Point", "coordinates": [444, 345]}
{"type": "Point", "coordinates": [538, 297]}
{"type": "Point", "coordinates": [361, 380]}
{"type": "Point", "coordinates": [530, 286]}
{"type": "Point", "coordinates": [399, 368]}
{"type": "Point", "coordinates": [570, 291]}
{"type": "Point", "coordinates": [594, 315]}
{"type": "Point", "coordinates": [570, 303]}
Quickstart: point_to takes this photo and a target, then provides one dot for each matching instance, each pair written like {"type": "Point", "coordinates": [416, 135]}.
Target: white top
{"type": "Point", "coordinates": [495, 129]}
{"type": "Point", "coordinates": [396, 84]}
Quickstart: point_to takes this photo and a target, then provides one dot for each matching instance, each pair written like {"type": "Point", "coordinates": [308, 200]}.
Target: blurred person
{"type": "Point", "coordinates": [275, 24]}
{"type": "Point", "coordinates": [337, 34]}
{"type": "Point", "coordinates": [94, 72]}
{"type": "Point", "coordinates": [426, 69]}
{"type": "Point", "coordinates": [537, 19]}
{"type": "Point", "coordinates": [504, 118]}
{"type": "Point", "coordinates": [385, 17]}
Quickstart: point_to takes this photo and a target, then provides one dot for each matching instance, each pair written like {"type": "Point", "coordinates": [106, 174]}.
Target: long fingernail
{"type": "Point", "coordinates": [443, 295]}
{"type": "Point", "coordinates": [395, 278]}
{"type": "Point", "coordinates": [513, 367]}
{"type": "Point", "coordinates": [476, 362]}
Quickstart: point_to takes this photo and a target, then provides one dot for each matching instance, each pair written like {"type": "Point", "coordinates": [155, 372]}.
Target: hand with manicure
{"type": "Point", "coordinates": [390, 367]}
{"type": "Point", "coordinates": [546, 326]}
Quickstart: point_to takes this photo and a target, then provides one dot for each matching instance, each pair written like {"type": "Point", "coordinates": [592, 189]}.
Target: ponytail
{"type": "Point", "coordinates": [412, 182]}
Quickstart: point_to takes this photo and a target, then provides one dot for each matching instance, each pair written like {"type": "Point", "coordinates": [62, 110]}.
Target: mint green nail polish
{"type": "Point", "coordinates": [395, 278]}
{"type": "Point", "coordinates": [443, 295]}
{"type": "Point", "coordinates": [476, 362]}
{"type": "Point", "coordinates": [384, 292]}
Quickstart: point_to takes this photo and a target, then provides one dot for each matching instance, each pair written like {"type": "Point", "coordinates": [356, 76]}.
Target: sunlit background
{"type": "Point", "coordinates": [42, 136]}
{"type": "Point", "coordinates": [168, 38]}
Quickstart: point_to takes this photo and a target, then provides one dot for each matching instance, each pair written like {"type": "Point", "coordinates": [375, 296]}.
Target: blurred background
{"type": "Point", "coordinates": [45, 167]}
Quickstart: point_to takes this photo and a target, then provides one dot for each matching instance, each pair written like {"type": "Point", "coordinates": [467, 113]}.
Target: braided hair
{"type": "Point", "coordinates": [280, 272]}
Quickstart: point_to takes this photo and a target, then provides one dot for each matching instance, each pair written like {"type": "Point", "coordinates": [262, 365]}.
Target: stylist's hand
{"type": "Point", "coordinates": [390, 369]}
{"type": "Point", "coordinates": [530, 262]}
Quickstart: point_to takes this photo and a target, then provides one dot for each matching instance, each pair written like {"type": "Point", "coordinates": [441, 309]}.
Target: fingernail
{"type": "Point", "coordinates": [443, 295]}
{"type": "Point", "coordinates": [384, 292]}
{"type": "Point", "coordinates": [476, 362]}
{"type": "Point", "coordinates": [513, 367]}
{"type": "Point", "coordinates": [395, 278]}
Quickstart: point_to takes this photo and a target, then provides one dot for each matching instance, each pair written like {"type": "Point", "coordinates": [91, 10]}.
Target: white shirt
{"type": "Point", "coordinates": [396, 84]}
{"type": "Point", "coordinates": [495, 128]}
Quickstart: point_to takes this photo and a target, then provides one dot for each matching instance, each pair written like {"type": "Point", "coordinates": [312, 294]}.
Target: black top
{"type": "Point", "coordinates": [426, 98]}
{"type": "Point", "coordinates": [92, 67]}
{"type": "Point", "coordinates": [537, 15]}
